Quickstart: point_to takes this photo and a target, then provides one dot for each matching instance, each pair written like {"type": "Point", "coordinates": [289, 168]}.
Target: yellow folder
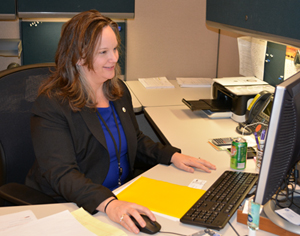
{"type": "Point", "coordinates": [161, 197]}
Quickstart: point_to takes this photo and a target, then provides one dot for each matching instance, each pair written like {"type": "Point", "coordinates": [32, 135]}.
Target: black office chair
{"type": "Point", "coordinates": [18, 90]}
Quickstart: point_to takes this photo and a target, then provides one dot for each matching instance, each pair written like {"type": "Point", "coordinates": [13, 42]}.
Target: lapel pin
{"type": "Point", "coordinates": [123, 109]}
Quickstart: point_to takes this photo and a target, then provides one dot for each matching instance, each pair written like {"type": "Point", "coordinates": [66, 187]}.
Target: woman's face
{"type": "Point", "coordinates": [105, 59]}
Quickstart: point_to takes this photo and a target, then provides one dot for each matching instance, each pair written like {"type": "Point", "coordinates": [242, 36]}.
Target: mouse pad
{"type": "Point", "coordinates": [161, 197]}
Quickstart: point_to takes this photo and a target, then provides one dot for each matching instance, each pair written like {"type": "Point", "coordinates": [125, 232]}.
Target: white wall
{"type": "Point", "coordinates": [228, 55]}
{"type": "Point", "coordinates": [170, 38]}
{"type": "Point", "coordinates": [166, 38]}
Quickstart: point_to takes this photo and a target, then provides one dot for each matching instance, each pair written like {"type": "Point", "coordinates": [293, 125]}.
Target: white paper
{"type": "Point", "coordinates": [194, 82]}
{"type": "Point", "coordinates": [289, 215]}
{"type": "Point", "coordinates": [258, 56]}
{"type": "Point", "coordinates": [244, 47]}
{"type": "Point", "coordinates": [290, 68]}
{"type": "Point", "coordinates": [16, 219]}
{"type": "Point", "coordinates": [252, 54]}
{"type": "Point", "coordinates": [157, 82]}
{"type": "Point", "coordinates": [197, 183]}
{"type": "Point", "coordinates": [250, 141]}
{"type": "Point", "coordinates": [60, 224]}
{"type": "Point", "coordinates": [246, 206]}
{"type": "Point", "coordinates": [250, 90]}
{"type": "Point", "coordinates": [236, 81]}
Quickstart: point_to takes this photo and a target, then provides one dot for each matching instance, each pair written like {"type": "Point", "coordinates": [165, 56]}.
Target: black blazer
{"type": "Point", "coordinates": [72, 159]}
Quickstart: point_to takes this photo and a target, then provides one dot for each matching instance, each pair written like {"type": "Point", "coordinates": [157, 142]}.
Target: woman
{"type": "Point", "coordinates": [85, 135]}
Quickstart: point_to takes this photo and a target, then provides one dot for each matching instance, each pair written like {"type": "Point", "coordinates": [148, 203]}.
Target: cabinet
{"type": "Point", "coordinates": [10, 47]}
{"type": "Point", "coordinates": [8, 10]}
{"type": "Point", "coordinates": [274, 20]}
{"type": "Point", "coordinates": [120, 9]}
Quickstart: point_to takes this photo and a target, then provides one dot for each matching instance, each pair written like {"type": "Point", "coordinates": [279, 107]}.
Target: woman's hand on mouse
{"type": "Point", "coordinates": [120, 212]}
{"type": "Point", "coordinates": [187, 163]}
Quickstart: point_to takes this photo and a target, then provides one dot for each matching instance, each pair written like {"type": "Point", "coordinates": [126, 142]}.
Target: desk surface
{"type": "Point", "coordinates": [168, 96]}
{"type": "Point", "coordinates": [190, 132]}
{"type": "Point", "coordinates": [192, 135]}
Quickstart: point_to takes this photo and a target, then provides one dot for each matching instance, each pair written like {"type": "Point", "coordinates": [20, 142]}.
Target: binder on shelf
{"type": "Point", "coordinates": [10, 47]}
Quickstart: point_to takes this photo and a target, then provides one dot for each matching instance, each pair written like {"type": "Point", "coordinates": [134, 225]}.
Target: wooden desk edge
{"type": "Point", "coordinates": [264, 224]}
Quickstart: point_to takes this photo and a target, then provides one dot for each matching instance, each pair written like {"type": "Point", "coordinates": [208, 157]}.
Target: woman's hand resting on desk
{"type": "Point", "coordinates": [187, 163]}
{"type": "Point", "coordinates": [120, 212]}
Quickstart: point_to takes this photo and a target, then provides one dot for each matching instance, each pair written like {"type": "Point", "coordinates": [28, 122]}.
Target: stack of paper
{"type": "Point", "coordinates": [252, 54]}
{"type": "Point", "coordinates": [157, 82]}
{"type": "Point", "coordinates": [242, 81]}
{"type": "Point", "coordinates": [161, 197]}
{"type": "Point", "coordinates": [250, 90]}
{"type": "Point", "coordinates": [194, 82]}
{"type": "Point", "coordinates": [64, 223]}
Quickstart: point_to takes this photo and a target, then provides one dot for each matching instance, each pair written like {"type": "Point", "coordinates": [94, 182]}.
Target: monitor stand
{"type": "Point", "coordinates": [269, 209]}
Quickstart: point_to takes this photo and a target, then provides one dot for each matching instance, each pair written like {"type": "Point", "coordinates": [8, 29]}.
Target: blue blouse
{"type": "Point", "coordinates": [111, 180]}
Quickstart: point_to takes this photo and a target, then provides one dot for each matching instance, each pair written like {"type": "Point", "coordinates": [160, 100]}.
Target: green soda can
{"type": "Point", "coordinates": [238, 154]}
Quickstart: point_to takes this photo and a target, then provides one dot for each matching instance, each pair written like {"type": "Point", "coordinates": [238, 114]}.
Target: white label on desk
{"type": "Point", "coordinates": [289, 215]}
{"type": "Point", "coordinates": [197, 183]}
{"type": "Point", "coordinates": [16, 219]}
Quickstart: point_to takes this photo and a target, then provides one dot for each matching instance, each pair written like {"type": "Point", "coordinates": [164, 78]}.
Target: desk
{"type": "Point", "coordinates": [137, 106]}
{"type": "Point", "coordinates": [196, 128]}
{"type": "Point", "coordinates": [168, 96]}
{"type": "Point", "coordinates": [189, 131]}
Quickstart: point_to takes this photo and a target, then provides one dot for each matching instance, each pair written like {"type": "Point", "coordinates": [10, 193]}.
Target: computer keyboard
{"type": "Point", "coordinates": [215, 208]}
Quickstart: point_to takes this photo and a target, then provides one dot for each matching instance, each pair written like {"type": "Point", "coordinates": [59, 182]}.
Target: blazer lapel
{"type": "Point", "coordinates": [92, 121]}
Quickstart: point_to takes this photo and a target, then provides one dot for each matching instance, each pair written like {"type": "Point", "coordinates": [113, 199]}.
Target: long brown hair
{"type": "Point", "coordinates": [78, 41]}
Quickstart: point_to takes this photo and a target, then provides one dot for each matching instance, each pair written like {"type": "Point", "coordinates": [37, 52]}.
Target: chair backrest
{"type": "Point", "coordinates": [18, 90]}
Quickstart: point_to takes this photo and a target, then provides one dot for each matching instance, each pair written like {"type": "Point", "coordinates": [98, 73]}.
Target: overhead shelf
{"type": "Point", "coordinates": [117, 9]}
{"type": "Point", "coordinates": [8, 10]}
{"type": "Point", "coordinates": [273, 20]}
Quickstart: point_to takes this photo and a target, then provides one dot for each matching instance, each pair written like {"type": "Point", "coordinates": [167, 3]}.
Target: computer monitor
{"type": "Point", "coordinates": [282, 147]}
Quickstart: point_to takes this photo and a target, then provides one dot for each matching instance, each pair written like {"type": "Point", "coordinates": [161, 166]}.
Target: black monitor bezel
{"type": "Point", "coordinates": [282, 144]}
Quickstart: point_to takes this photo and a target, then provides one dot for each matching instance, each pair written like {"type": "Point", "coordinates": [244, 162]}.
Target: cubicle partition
{"type": "Point", "coordinates": [40, 40]}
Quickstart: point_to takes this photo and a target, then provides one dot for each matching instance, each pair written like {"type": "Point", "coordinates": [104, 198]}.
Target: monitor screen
{"type": "Point", "coordinates": [282, 145]}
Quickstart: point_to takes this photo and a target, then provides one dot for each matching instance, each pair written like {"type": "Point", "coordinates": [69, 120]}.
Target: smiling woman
{"type": "Point", "coordinates": [104, 64]}
{"type": "Point", "coordinates": [84, 131]}
{"type": "Point", "coordinates": [78, 48]}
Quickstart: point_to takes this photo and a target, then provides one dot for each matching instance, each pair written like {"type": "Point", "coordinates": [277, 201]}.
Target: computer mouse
{"type": "Point", "coordinates": [151, 227]}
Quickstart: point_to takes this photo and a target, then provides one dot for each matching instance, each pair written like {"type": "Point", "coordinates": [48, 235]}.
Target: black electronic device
{"type": "Point", "coordinates": [222, 141]}
{"type": "Point", "coordinates": [282, 147]}
{"type": "Point", "coordinates": [215, 208]}
{"type": "Point", "coordinates": [151, 227]}
{"type": "Point", "coordinates": [257, 113]}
